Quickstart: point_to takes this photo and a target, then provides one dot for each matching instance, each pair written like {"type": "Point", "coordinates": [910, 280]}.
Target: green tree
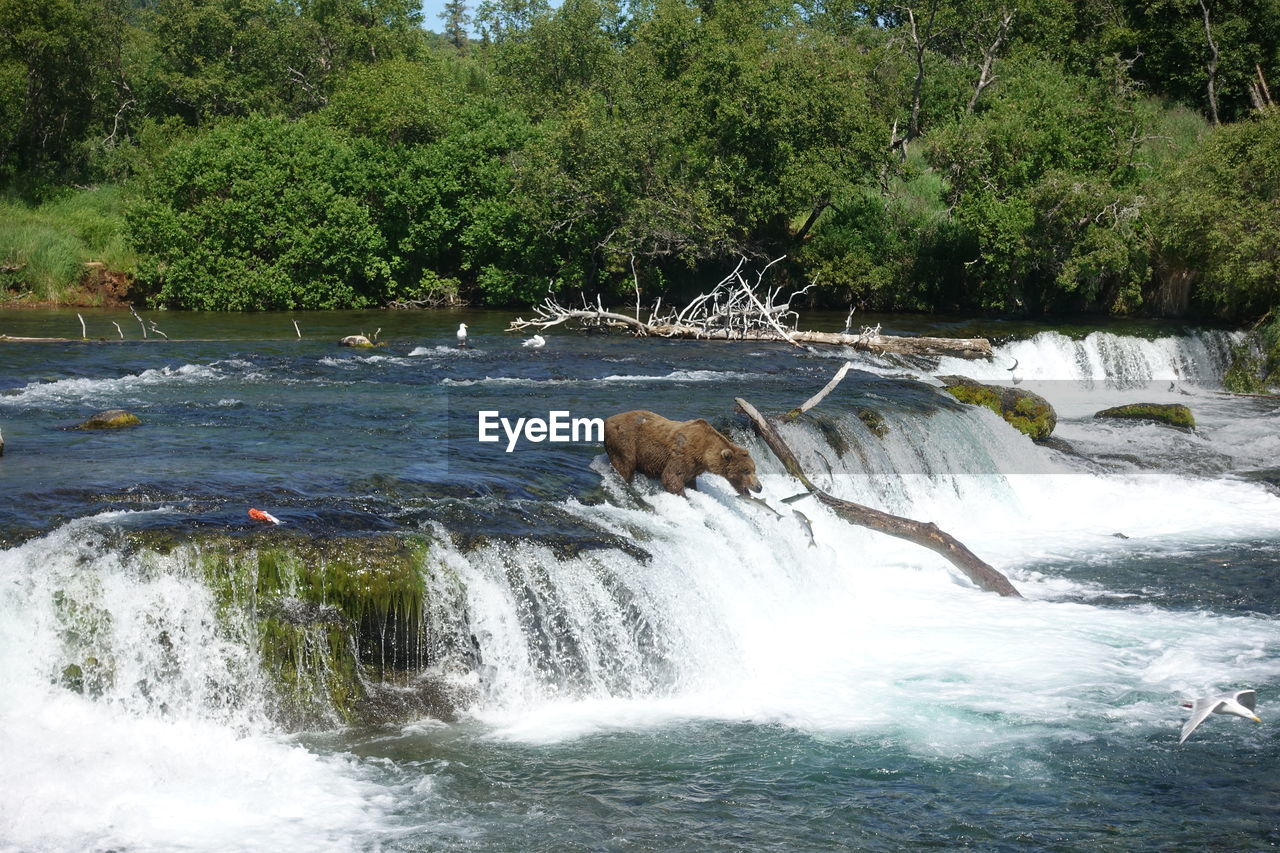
{"type": "Point", "coordinates": [61, 83]}
{"type": "Point", "coordinates": [1219, 215]}
{"type": "Point", "coordinates": [456, 21]}
{"type": "Point", "coordinates": [263, 214]}
{"type": "Point", "coordinates": [1044, 178]}
{"type": "Point", "coordinates": [1206, 53]}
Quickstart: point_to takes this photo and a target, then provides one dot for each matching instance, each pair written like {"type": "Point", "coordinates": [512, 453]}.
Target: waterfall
{"type": "Point", "coordinates": [1108, 359]}
{"type": "Point", "coordinates": [132, 714]}
{"type": "Point", "coordinates": [742, 613]}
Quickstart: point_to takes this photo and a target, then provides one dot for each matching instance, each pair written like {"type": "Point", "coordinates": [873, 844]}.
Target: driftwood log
{"type": "Point", "coordinates": [735, 310]}
{"type": "Point", "coordinates": [925, 534]}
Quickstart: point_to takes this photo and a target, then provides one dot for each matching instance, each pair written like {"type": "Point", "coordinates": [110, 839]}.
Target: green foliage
{"type": "Point", "coordinates": [1052, 155]}
{"type": "Point", "coordinates": [263, 214]}
{"type": "Point", "coordinates": [1220, 214]}
{"type": "Point", "coordinates": [1175, 49]}
{"type": "Point", "coordinates": [60, 83]}
{"type": "Point", "coordinates": [44, 248]}
{"type": "Point", "coordinates": [1255, 362]}
{"type": "Point", "coordinates": [1044, 177]}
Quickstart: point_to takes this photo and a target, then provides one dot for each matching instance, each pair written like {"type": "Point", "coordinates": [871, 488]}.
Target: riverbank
{"type": "Point", "coordinates": [68, 251]}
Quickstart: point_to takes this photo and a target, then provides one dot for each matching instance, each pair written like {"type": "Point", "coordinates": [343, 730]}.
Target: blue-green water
{"type": "Point", "coordinates": [650, 672]}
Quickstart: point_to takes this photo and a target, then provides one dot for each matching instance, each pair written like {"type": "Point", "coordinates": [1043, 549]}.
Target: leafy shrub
{"type": "Point", "coordinates": [263, 214]}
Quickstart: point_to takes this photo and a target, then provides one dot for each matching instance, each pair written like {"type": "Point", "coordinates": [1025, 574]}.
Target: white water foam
{"type": "Point", "coordinates": [1103, 358]}
{"type": "Point", "coordinates": [441, 351]}
{"type": "Point", "coordinates": [172, 750]}
{"type": "Point", "coordinates": [115, 391]}
{"type": "Point", "coordinates": [739, 616]}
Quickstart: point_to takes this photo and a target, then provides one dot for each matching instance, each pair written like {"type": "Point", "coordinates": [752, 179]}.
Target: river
{"type": "Point", "coordinates": [640, 671]}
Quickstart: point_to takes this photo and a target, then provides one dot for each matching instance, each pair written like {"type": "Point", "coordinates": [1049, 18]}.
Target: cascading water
{"type": "Point", "coordinates": [637, 669]}
{"type": "Point", "coordinates": [739, 614]}
{"type": "Point", "coordinates": [1108, 359]}
{"type": "Point", "coordinates": [133, 713]}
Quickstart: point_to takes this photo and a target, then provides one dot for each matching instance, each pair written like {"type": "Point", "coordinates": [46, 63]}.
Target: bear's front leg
{"type": "Point", "coordinates": [626, 468]}
{"type": "Point", "coordinates": [674, 476]}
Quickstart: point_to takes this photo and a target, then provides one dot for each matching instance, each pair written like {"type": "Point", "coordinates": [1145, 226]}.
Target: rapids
{"type": "Point", "coordinates": [640, 671]}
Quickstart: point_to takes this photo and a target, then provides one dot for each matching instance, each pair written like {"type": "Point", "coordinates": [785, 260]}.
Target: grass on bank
{"type": "Point", "coordinates": [44, 248]}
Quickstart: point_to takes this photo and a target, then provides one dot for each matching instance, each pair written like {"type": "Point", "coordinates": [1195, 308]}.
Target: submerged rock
{"type": "Point", "coordinates": [1060, 445]}
{"type": "Point", "coordinates": [1025, 411]}
{"type": "Point", "coordinates": [872, 420]}
{"type": "Point", "coordinates": [1172, 414]}
{"type": "Point", "coordinates": [111, 419]}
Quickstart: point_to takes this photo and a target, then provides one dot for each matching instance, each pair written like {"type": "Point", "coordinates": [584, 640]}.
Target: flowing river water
{"type": "Point", "coordinates": [640, 671]}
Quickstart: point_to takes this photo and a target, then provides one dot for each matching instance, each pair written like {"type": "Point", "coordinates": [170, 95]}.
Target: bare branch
{"type": "Point", "coordinates": [735, 311]}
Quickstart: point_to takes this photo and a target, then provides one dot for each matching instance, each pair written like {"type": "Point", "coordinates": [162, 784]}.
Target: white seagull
{"type": "Point", "coordinates": [462, 334]}
{"type": "Point", "coordinates": [1240, 703]}
{"type": "Point", "coordinates": [536, 342]}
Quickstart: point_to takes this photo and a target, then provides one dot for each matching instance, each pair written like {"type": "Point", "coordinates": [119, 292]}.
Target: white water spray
{"type": "Point", "coordinates": [132, 715]}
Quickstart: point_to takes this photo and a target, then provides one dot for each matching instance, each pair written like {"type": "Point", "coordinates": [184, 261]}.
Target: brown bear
{"type": "Point", "coordinates": [675, 452]}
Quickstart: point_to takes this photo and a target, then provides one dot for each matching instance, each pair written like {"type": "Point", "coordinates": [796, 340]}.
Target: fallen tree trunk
{"type": "Point", "coordinates": [874, 343]}
{"type": "Point", "coordinates": [925, 534]}
{"type": "Point", "coordinates": [735, 310]}
{"type": "Point", "coordinates": [880, 344]}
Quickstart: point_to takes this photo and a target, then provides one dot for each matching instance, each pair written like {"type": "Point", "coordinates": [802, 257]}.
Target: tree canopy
{"type": "Point", "coordinates": [1031, 157]}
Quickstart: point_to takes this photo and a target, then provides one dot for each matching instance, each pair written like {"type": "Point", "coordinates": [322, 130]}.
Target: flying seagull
{"type": "Point", "coordinates": [1240, 703]}
{"type": "Point", "coordinates": [462, 334]}
{"type": "Point", "coordinates": [536, 342]}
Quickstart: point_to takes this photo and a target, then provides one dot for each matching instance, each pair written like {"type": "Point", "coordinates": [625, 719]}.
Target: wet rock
{"type": "Point", "coordinates": [355, 341]}
{"type": "Point", "coordinates": [423, 695]}
{"type": "Point", "coordinates": [111, 419]}
{"type": "Point", "coordinates": [1025, 411]}
{"type": "Point", "coordinates": [344, 626]}
{"type": "Point", "coordinates": [871, 420]}
{"type": "Point", "coordinates": [1061, 445]}
{"type": "Point", "coordinates": [1170, 414]}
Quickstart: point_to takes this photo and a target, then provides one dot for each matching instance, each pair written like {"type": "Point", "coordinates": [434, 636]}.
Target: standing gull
{"type": "Point", "coordinates": [1240, 703]}
{"type": "Point", "coordinates": [462, 335]}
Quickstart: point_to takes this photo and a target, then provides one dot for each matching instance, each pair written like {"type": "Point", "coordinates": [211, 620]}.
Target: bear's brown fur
{"type": "Point", "coordinates": [675, 452]}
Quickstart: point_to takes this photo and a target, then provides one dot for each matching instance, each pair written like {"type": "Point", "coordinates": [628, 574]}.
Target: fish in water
{"type": "Point", "coordinates": [758, 502]}
{"type": "Point", "coordinates": [536, 342]}
{"type": "Point", "coordinates": [807, 525]}
{"type": "Point", "coordinates": [462, 335]}
{"type": "Point", "coordinates": [1015, 377]}
{"type": "Point", "coordinates": [260, 515]}
{"type": "Point", "coordinates": [1240, 703]}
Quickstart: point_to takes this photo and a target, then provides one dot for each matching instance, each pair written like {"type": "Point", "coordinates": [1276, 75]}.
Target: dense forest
{"type": "Point", "coordinates": [1016, 156]}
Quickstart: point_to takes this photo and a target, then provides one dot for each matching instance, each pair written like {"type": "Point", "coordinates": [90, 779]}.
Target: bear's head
{"type": "Point", "coordinates": [737, 466]}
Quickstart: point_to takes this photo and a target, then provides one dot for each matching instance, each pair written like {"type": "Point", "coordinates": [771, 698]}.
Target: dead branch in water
{"type": "Point", "coordinates": [925, 534]}
{"type": "Point", "coordinates": [736, 310]}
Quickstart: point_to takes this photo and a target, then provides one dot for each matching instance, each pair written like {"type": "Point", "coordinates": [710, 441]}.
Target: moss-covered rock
{"type": "Point", "coordinates": [1026, 411]}
{"type": "Point", "coordinates": [340, 622]}
{"type": "Point", "coordinates": [111, 419]}
{"type": "Point", "coordinates": [359, 341]}
{"type": "Point", "coordinates": [1172, 414]}
{"type": "Point", "coordinates": [872, 420]}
